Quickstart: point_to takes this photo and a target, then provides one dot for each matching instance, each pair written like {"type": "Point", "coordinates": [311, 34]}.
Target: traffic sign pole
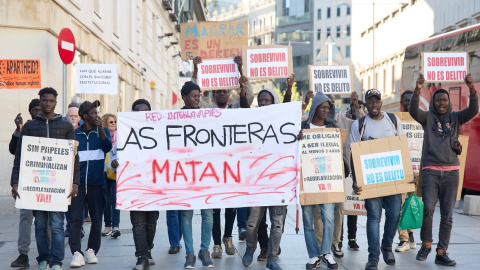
{"type": "Point", "coordinates": [66, 50]}
{"type": "Point", "coordinates": [64, 90]}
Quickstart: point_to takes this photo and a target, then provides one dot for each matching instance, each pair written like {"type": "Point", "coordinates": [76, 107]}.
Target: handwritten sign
{"type": "Point", "coordinates": [414, 132]}
{"type": "Point", "coordinates": [217, 74]}
{"type": "Point", "coordinates": [208, 158]}
{"type": "Point", "coordinates": [96, 79]}
{"type": "Point", "coordinates": [353, 206]}
{"type": "Point", "coordinates": [382, 167]}
{"type": "Point", "coordinates": [268, 61]}
{"type": "Point", "coordinates": [445, 66]}
{"type": "Point", "coordinates": [20, 74]}
{"type": "Point", "coordinates": [46, 171]}
{"type": "Point", "coordinates": [213, 40]}
{"type": "Point", "coordinates": [331, 79]}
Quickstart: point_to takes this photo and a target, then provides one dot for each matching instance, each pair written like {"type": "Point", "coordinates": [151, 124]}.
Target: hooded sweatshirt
{"type": "Point", "coordinates": [276, 99]}
{"type": "Point", "coordinates": [440, 129]}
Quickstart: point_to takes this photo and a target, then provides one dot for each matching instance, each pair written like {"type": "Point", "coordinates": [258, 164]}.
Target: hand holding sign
{"type": "Point", "coordinates": [469, 82]}
{"type": "Point", "coordinates": [19, 121]}
{"type": "Point", "coordinates": [242, 81]}
{"type": "Point", "coordinates": [15, 194]}
{"type": "Point", "coordinates": [356, 188]}
{"type": "Point", "coordinates": [239, 61]}
{"type": "Point", "coordinates": [420, 83]}
{"type": "Point", "coordinates": [308, 97]}
{"type": "Point", "coordinates": [74, 192]}
{"type": "Point", "coordinates": [197, 60]}
{"type": "Point", "coordinates": [290, 81]}
{"type": "Point", "coordinates": [354, 99]}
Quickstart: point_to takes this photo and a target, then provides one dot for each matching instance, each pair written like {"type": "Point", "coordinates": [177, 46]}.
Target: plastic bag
{"type": "Point", "coordinates": [412, 214]}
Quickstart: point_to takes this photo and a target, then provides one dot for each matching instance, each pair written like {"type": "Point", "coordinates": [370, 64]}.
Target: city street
{"type": "Point", "coordinates": [119, 253]}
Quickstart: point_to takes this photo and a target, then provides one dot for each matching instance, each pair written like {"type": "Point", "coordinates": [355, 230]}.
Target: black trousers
{"type": "Point", "coordinates": [230, 214]}
{"type": "Point", "coordinates": [144, 227]}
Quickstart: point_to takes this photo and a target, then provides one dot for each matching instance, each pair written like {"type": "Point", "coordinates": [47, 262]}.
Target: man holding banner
{"type": "Point", "coordinates": [377, 124]}
{"type": "Point", "coordinates": [50, 125]}
{"type": "Point", "coordinates": [440, 163]}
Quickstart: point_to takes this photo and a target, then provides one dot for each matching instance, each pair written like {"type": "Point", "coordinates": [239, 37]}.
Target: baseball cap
{"type": "Point", "coordinates": [87, 106]}
{"type": "Point", "coordinates": [373, 93]}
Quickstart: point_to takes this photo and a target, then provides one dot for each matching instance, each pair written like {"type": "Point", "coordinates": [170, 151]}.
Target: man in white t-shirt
{"type": "Point", "coordinates": [377, 124]}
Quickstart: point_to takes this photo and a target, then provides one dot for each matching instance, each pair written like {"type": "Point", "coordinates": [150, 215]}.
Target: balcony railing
{"type": "Point", "coordinates": [285, 20]}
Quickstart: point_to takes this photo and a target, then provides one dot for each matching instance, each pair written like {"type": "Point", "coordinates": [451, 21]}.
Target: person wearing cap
{"type": "Point", "coordinates": [440, 163]}
{"type": "Point", "coordinates": [26, 215]}
{"type": "Point", "coordinates": [47, 124]}
{"type": "Point", "coordinates": [378, 124]}
{"type": "Point", "coordinates": [93, 144]}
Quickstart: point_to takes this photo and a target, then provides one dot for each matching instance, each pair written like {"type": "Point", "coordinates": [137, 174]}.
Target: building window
{"type": "Point", "coordinates": [307, 6]}
{"type": "Point", "coordinates": [318, 52]}
{"type": "Point", "coordinates": [347, 51]}
{"type": "Point", "coordinates": [319, 14]}
{"type": "Point", "coordinates": [97, 8]}
{"type": "Point", "coordinates": [348, 10]}
{"type": "Point", "coordinates": [338, 31]}
{"type": "Point", "coordinates": [286, 7]}
{"type": "Point", "coordinates": [328, 13]}
{"type": "Point", "coordinates": [339, 10]}
{"type": "Point", "coordinates": [328, 31]}
{"type": "Point", "coordinates": [393, 79]}
{"type": "Point", "coordinates": [348, 30]}
{"type": "Point", "coordinates": [385, 80]}
{"type": "Point", "coordinates": [319, 34]}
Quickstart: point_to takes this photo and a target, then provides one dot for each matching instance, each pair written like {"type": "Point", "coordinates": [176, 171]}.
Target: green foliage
{"type": "Point", "coordinates": [295, 93]}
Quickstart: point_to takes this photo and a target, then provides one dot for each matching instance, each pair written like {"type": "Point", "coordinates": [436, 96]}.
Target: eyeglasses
{"type": "Point", "coordinates": [112, 122]}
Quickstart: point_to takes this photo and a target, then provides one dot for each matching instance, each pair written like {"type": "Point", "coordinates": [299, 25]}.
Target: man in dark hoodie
{"type": "Point", "coordinates": [440, 163]}
{"type": "Point", "coordinates": [50, 125]}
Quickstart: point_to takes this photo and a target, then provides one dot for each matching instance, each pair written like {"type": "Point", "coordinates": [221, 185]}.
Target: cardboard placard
{"type": "Point", "coordinates": [461, 172]}
{"type": "Point", "coordinates": [334, 80]}
{"type": "Point", "coordinates": [383, 166]}
{"type": "Point", "coordinates": [322, 166]}
{"type": "Point", "coordinates": [20, 74]}
{"type": "Point", "coordinates": [213, 40]}
{"type": "Point", "coordinates": [414, 132]}
{"type": "Point", "coordinates": [217, 74]}
{"type": "Point", "coordinates": [46, 171]}
{"type": "Point", "coordinates": [444, 66]}
{"type": "Point", "coordinates": [96, 79]}
{"type": "Point", "coordinates": [267, 62]}
{"type": "Point", "coordinates": [353, 206]}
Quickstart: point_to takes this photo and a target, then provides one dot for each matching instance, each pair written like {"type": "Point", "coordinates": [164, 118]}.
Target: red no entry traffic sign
{"type": "Point", "coordinates": [66, 45]}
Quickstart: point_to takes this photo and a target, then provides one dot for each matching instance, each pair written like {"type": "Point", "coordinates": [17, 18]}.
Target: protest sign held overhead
{"type": "Point", "coordinates": [414, 132]}
{"type": "Point", "coordinates": [382, 166]}
{"type": "Point", "coordinates": [267, 61]}
{"type": "Point", "coordinates": [96, 79]}
{"type": "Point", "coordinates": [213, 40]}
{"type": "Point", "coordinates": [46, 171]}
{"type": "Point", "coordinates": [334, 80]}
{"type": "Point", "coordinates": [322, 166]}
{"type": "Point", "coordinates": [20, 74]}
{"type": "Point", "coordinates": [217, 74]}
{"type": "Point", "coordinates": [208, 158]}
{"type": "Point", "coordinates": [444, 66]}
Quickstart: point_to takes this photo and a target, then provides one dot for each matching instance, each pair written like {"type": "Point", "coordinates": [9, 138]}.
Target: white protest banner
{"type": "Point", "coordinates": [335, 80]}
{"type": "Point", "coordinates": [414, 132]}
{"type": "Point", "coordinates": [444, 66]}
{"type": "Point", "coordinates": [353, 206]}
{"type": "Point", "coordinates": [322, 167]}
{"type": "Point", "coordinates": [267, 61]}
{"type": "Point", "coordinates": [208, 158]}
{"type": "Point", "coordinates": [96, 79]}
{"type": "Point", "coordinates": [46, 171]}
{"type": "Point", "coordinates": [217, 74]}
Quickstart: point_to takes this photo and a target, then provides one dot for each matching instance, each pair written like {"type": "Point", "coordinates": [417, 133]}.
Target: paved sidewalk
{"type": "Point", "coordinates": [119, 253]}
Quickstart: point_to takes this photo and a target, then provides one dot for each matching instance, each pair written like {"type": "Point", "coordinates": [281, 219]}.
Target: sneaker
{"type": "Point", "coordinates": [327, 259]}
{"type": "Point", "coordinates": [43, 265]}
{"type": "Point", "coordinates": [443, 259]}
{"type": "Point", "coordinates": [151, 261]}
{"type": "Point", "coordinates": [90, 256]}
{"type": "Point", "coordinates": [423, 253]}
{"type": "Point", "coordinates": [388, 256]}
{"type": "Point", "coordinates": [66, 233]}
{"type": "Point", "coordinates": [314, 265]}
{"type": "Point", "coordinates": [21, 261]}
{"type": "Point", "coordinates": [242, 234]}
{"type": "Point", "coordinates": [189, 261]}
{"type": "Point", "coordinates": [248, 257]}
{"type": "Point", "coordinates": [107, 231]}
{"type": "Point", "coordinates": [272, 265]}
{"type": "Point", "coordinates": [263, 255]}
{"type": "Point", "coordinates": [217, 252]}
{"type": "Point", "coordinates": [204, 257]}
{"type": "Point", "coordinates": [142, 264]}
{"type": "Point", "coordinates": [352, 245]}
{"type": "Point", "coordinates": [371, 265]}
{"type": "Point", "coordinates": [402, 246]}
{"type": "Point", "coordinates": [77, 260]}
{"type": "Point", "coordinates": [56, 267]}
{"type": "Point", "coordinates": [115, 232]}
{"type": "Point", "coordinates": [337, 251]}
{"type": "Point", "coordinates": [411, 241]}
{"type": "Point", "coordinates": [229, 248]}
{"type": "Point", "coordinates": [174, 250]}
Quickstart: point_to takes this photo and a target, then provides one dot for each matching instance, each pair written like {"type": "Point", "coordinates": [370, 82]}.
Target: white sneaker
{"type": "Point", "coordinates": [90, 256]}
{"type": "Point", "coordinates": [413, 245]}
{"type": "Point", "coordinates": [402, 246]}
{"type": "Point", "coordinates": [328, 260]}
{"type": "Point", "coordinates": [77, 260]}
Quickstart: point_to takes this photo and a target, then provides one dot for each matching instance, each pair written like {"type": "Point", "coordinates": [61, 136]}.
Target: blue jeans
{"type": "Point", "coordinates": [392, 205]}
{"type": "Point", "coordinates": [54, 253]}
{"type": "Point", "coordinates": [327, 213]}
{"type": "Point", "coordinates": [174, 229]}
{"type": "Point", "coordinates": [207, 224]}
{"type": "Point", "coordinates": [112, 215]}
{"type": "Point", "coordinates": [441, 185]}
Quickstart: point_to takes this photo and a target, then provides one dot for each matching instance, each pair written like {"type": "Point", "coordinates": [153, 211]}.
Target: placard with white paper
{"type": "Point", "coordinates": [444, 66]}
{"type": "Point", "coordinates": [331, 79]}
{"type": "Point", "coordinates": [382, 167]}
{"type": "Point", "coordinates": [217, 74]}
{"type": "Point", "coordinates": [267, 61]}
{"type": "Point", "coordinates": [96, 79]}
